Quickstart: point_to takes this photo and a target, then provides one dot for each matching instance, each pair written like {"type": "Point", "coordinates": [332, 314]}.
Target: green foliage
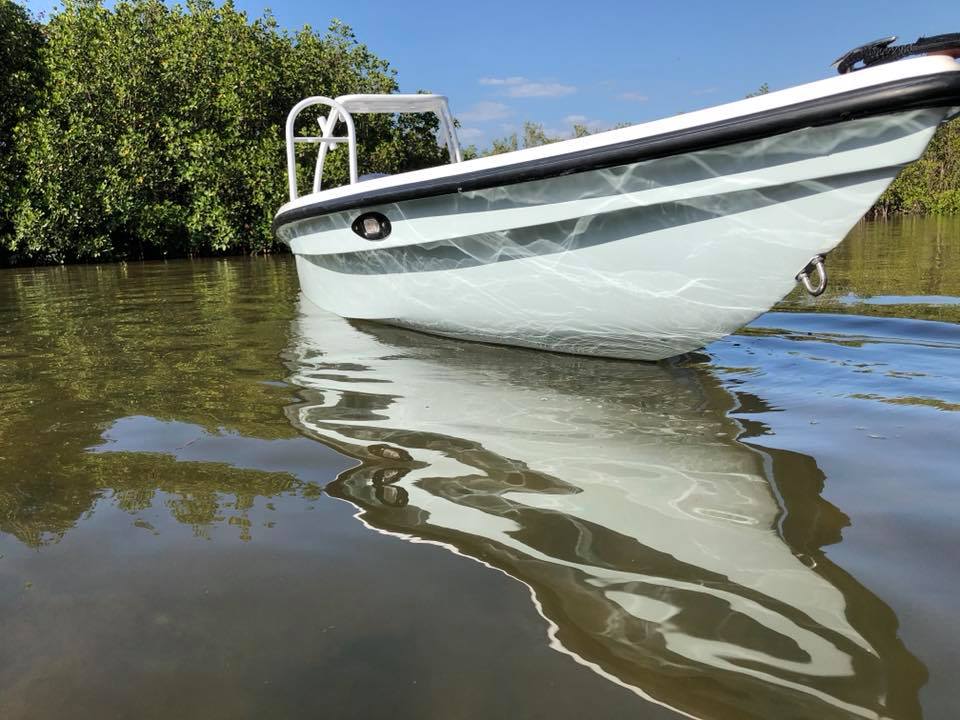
{"type": "Point", "coordinates": [146, 129]}
{"type": "Point", "coordinates": [762, 90]}
{"type": "Point", "coordinates": [21, 75]}
{"type": "Point", "coordinates": [161, 128]}
{"type": "Point", "coordinates": [503, 145]}
{"type": "Point", "coordinates": [533, 136]}
{"type": "Point", "coordinates": [930, 186]}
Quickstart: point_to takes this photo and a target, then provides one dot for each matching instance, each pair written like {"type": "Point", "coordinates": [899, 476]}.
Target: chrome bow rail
{"type": "Point", "coordinates": [341, 110]}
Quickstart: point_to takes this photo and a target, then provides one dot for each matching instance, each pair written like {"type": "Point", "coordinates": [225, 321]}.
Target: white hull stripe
{"type": "Point", "coordinates": [571, 235]}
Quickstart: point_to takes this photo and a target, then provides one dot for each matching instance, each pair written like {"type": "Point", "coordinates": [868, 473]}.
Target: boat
{"type": "Point", "coordinates": [643, 242]}
{"type": "Point", "coordinates": [667, 550]}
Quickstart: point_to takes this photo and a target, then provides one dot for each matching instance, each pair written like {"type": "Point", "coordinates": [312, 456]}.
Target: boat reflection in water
{"type": "Point", "coordinates": [666, 555]}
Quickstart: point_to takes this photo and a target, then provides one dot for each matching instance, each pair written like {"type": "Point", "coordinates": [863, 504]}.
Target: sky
{"type": "Point", "coordinates": [600, 63]}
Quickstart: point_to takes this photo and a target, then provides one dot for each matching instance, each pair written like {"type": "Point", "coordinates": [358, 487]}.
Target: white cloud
{"type": "Point", "coordinates": [541, 90]}
{"type": "Point", "coordinates": [706, 91]}
{"type": "Point", "coordinates": [502, 81]}
{"type": "Point", "coordinates": [634, 96]}
{"type": "Point", "coordinates": [485, 111]}
{"type": "Point", "coordinates": [518, 86]}
{"type": "Point", "coordinates": [470, 134]}
{"type": "Point", "coordinates": [590, 124]}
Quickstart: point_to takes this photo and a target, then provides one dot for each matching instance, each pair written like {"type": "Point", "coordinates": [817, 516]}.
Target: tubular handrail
{"type": "Point", "coordinates": [325, 139]}
{"type": "Point", "coordinates": [340, 111]}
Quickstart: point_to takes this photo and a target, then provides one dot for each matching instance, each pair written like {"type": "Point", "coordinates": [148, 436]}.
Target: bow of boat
{"type": "Point", "coordinates": [642, 242]}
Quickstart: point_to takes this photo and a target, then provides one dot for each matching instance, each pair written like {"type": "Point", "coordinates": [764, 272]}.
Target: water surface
{"type": "Point", "coordinates": [218, 501]}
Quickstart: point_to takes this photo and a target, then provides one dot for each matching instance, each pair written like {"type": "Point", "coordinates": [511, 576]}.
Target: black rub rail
{"type": "Point", "coordinates": [926, 91]}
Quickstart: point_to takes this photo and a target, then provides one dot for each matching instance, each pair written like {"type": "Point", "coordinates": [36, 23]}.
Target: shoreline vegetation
{"type": "Point", "coordinates": [147, 131]}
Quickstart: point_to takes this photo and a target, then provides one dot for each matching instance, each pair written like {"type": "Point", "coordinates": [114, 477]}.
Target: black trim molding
{"type": "Point", "coordinates": [927, 91]}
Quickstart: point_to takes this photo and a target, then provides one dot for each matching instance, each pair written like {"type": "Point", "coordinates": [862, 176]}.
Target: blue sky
{"type": "Point", "coordinates": [599, 62]}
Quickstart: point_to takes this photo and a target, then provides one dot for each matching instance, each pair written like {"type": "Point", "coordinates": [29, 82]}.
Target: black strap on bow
{"type": "Point", "coordinates": [883, 51]}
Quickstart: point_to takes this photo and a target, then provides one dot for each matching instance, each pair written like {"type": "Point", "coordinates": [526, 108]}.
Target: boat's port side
{"type": "Point", "coordinates": [644, 261]}
{"type": "Point", "coordinates": [643, 242]}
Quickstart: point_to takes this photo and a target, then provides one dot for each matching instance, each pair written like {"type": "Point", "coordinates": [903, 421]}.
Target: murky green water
{"type": "Point", "coordinates": [766, 529]}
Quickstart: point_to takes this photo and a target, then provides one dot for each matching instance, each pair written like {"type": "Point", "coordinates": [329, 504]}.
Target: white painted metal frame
{"type": "Point", "coordinates": [341, 109]}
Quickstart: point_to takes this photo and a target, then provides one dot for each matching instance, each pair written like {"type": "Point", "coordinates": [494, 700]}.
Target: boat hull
{"type": "Point", "coordinates": [641, 261]}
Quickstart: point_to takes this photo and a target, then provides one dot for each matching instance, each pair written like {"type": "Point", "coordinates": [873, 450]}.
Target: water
{"type": "Point", "coordinates": [218, 502]}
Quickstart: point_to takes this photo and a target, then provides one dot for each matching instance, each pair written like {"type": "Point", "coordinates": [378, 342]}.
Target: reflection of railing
{"type": "Point", "coordinates": [341, 109]}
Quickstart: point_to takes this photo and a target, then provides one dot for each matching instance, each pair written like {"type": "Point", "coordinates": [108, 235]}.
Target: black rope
{"type": "Point", "coordinates": [883, 51]}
